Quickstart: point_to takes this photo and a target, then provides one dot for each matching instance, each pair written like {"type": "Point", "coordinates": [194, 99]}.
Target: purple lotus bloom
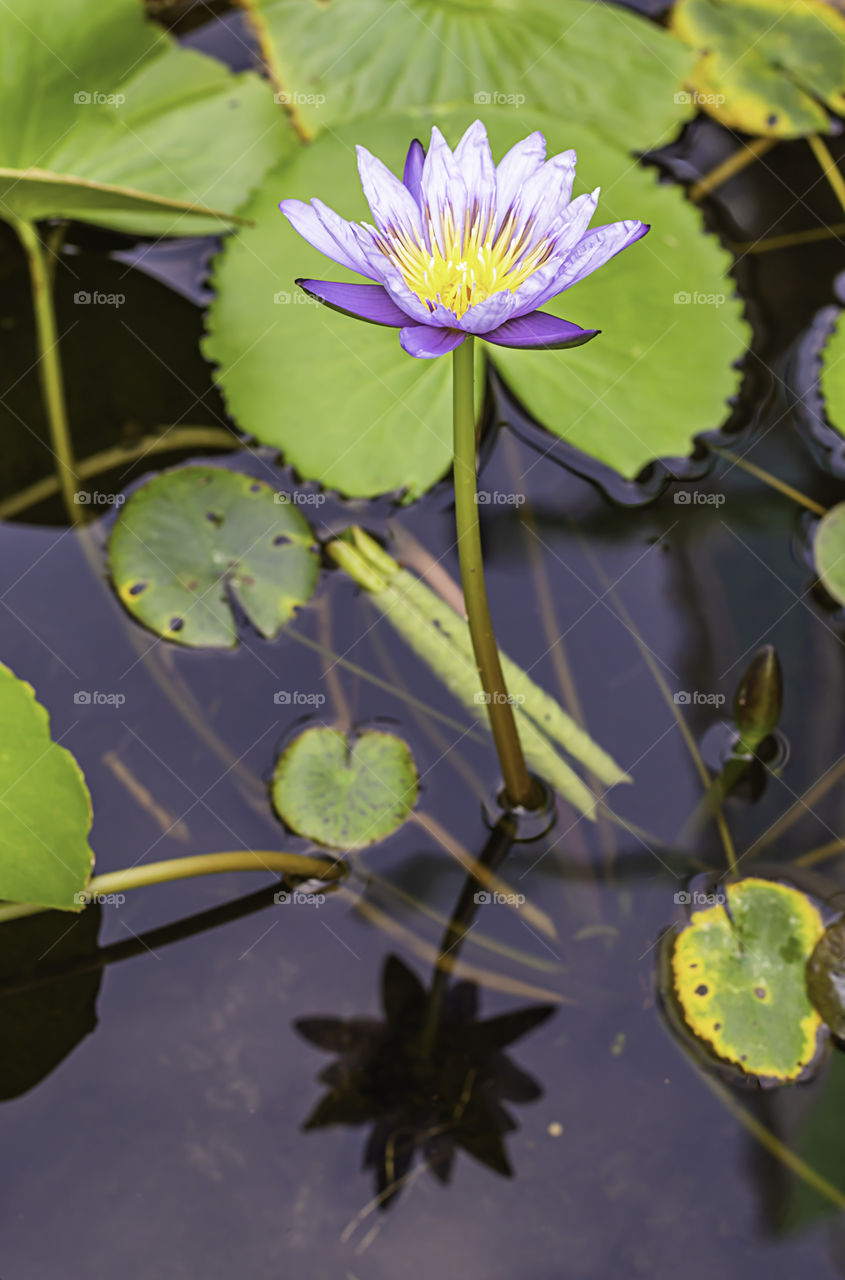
{"type": "Point", "coordinates": [464, 247]}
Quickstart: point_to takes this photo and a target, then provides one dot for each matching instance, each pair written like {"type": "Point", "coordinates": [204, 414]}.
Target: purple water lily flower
{"type": "Point", "coordinates": [464, 247]}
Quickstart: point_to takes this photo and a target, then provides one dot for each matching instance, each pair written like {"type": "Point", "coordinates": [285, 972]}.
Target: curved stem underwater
{"type": "Point", "coordinates": [520, 787]}
{"type": "Point", "coordinates": [49, 364]}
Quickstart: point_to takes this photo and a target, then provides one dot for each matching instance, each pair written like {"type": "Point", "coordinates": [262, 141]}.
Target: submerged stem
{"type": "Point", "coordinates": [49, 364]}
{"type": "Point", "coordinates": [520, 787]}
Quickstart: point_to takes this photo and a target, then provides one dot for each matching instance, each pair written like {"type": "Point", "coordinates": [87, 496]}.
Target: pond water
{"type": "Point", "coordinates": [158, 1085]}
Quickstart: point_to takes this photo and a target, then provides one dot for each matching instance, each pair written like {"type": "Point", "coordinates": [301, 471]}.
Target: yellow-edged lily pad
{"type": "Point", "coordinates": [766, 67]}
{"type": "Point", "coordinates": [740, 978]}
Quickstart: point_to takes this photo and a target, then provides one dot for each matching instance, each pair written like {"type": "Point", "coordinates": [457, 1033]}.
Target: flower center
{"type": "Point", "coordinates": [464, 267]}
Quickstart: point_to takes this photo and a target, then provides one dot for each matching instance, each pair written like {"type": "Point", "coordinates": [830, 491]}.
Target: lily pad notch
{"type": "Point", "coordinates": [195, 543]}
{"type": "Point", "coordinates": [345, 791]}
{"type": "Point", "coordinates": [739, 977]}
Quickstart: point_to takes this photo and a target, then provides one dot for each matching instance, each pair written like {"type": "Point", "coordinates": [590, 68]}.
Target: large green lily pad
{"type": "Point", "coordinates": [45, 808]}
{"type": "Point", "coordinates": [740, 979]}
{"type": "Point", "coordinates": [766, 67]}
{"type": "Point", "coordinates": [108, 120]}
{"type": "Point", "coordinates": [195, 540]}
{"type": "Point", "coordinates": [829, 551]}
{"type": "Point", "coordinates": [579, 61]}
{"type": "Point", "coordinates": [345, 792]}
{"type": "Point", "coordinates": [659, 373]}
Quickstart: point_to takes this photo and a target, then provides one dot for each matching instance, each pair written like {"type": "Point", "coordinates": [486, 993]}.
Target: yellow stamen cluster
{"type": "Point", "coordinates": [464, 266]}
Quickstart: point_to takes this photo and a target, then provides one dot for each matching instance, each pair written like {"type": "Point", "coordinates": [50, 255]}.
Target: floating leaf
{"type": "Point", "coordinates": [833, 376]}
{"type": "Point", "coordinates": [659, 374]}
{"type": "Point", "coordinates": [45, 809]}
{"type": "Point", "coordinates": [196, 540]}
{"type": "Point", "coordinates": [49, 981]}
{"type": "Point", "coordinates": [766, 67]}
{"type": "Point", "coordinates": [127, 129]}
{"type": "Point", "coordinates": [740, 980]}
{"type": "Point", "coordinates": [441, 638]}
{"type": "Point", "coordinates": [345, 792]}
{"type": "Point", "coordinates": [826, 978]}
{"type": "Point", "coordinates": [829, 549]}
{"type": "Point", "coordinates": [578, 61]}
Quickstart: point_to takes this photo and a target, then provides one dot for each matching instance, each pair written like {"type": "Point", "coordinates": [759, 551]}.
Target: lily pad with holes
{"type": "Point", "coordinates": [764, 66]}
{"type": "Point", "coordinates": [829, 550]}
{"type": "Point", "coordinates": [345, 791]}
{"type": "Point", "coordinates": [196, 541]}
{"type": "Point", "coordinates": [45, 808]}
{"type": "Point", "coordinates": [740, 978]}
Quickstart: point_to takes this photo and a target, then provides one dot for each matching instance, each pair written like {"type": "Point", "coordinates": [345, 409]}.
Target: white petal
{"type": "Point", "coordinates": [443, 190]}
{"type": "Point", "coordinates": [516, 167]}
{"type": "Point", "coordinates": [390, 201]}
{"type": "Point", "coordinates": [475, 161]}
{"type": "Point", "coordinates": [328, 232]}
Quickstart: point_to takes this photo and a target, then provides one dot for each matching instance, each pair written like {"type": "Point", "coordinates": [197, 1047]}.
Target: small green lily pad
{"type": "Point", "coordinates": [740, 980]}
{"type": "Point", "coordinates": [766, 67]}
{"type": "Point", "coordinates": [829, 548]}
{"type": "Point", "coordinates": [826, 978]}
{"type": "Point", "coordinates": [196, 540]}
{"type": "Point", "coordinates": [345, 792]}
{"type": "Point", "coordinates": [45, 808]}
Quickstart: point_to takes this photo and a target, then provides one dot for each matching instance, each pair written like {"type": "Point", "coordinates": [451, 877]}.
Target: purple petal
{"type": "Point", "coordinates": [426, 343]}
{"type": "Point", "coordinates": [443, 188]}
{"type": "Point", "coordinates": [391, 203]}
{"type": "Point", "coordinates": [516, 167]}
{"type": "Point", "coordinates": [475, 161]}
{"type": "Point", "coordinates": [490, 313]}
{"type": "Point", "coordinates": [413, 168]}
{"type": "Point", "coordinates": [369, 302]}
{"type": "Point", "coordinates": [545, 195]}
{"type": "Point", "coordinates": [603, 243]}
{"type": "Point", "coordinates": [595, 249]}
{"type": "Point", "coordinates": [568, 233]}
{"type": "Point", "coordinates": [328, 232]}
{"type": "Point", "coordinates": [539, 329]}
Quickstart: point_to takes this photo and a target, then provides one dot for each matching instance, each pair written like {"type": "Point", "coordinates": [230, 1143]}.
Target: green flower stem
{"type": "Point", "coordinates": [458, 926]}
{"type": "Point", "coordinates": [49, 365]}
{"type": "Point", "coordinates": [205, 864]}
{"type": "Point", "coordinates": [520, 787]}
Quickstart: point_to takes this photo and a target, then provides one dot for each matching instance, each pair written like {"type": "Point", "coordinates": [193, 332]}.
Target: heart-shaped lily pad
{"type": "Point", "coordinates": [345, 792]}
{"type": "Point", "coordinates": [740, 978]}
{"type": "Point", "coordinates": [829, 548]}
{"type": "Point", "coordinates": [196, 540]}
{"type": "Point", "coordinates": [45, 808]}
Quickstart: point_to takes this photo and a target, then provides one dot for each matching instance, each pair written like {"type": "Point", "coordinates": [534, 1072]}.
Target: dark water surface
{"type": "Point", "coordinates": [168, 1141]}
